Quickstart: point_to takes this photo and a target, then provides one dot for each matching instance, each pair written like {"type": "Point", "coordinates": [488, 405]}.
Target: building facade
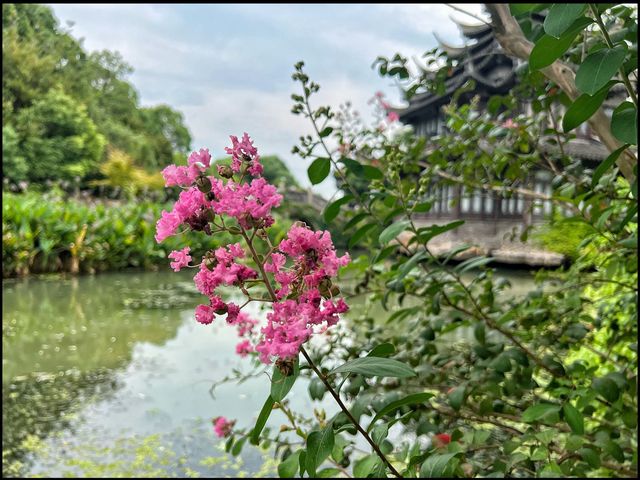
{"type": "Point", "coordinates": [490, 217]}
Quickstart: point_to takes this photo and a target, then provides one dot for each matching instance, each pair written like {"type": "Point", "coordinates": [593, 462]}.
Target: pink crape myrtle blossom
{"type": "Point", "coordinates": [298, 272]}
{"type": "Point", "coordinates": [204, 314]}
{"type": "Point", "coordinates": [244, 348]}
{"type": "Point", "coordinates": [191, 208]}
{"type": "Point", "coordinates": [392, 116]}
{"type": "Point", "coordinates": [181, 257]}
{"type": "Point", "coordinates": [243, 150]}
{"type": "Point", "coordinates": [222, 426]}
{"type": "Point", "coordinates": [184, 176]}
{"type": "Point", "coordinates": [250, 203]}
{"type": "Point", "coordinates": [223, 269]}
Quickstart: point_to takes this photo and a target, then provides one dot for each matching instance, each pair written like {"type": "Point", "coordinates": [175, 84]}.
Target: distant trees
{"type": "Point", "coordinates": [62, 107]}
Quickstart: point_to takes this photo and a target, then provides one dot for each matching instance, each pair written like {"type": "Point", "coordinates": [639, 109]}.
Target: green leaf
{"type": "Point", "coordinates": [262, 420]}
{"type": "Point", "coordinates": [382, 350]}
{"type": "Point", "coordinates": [379, 433]}
{"type": "Point", "coordinates": [392, 231]}
{"type": "Point", "coordinates": [409, 265]}
{"type": "Point", "coordinates": [583, 108]}
{"type": "Point", "coordinates": [337, 453]}
{"type": "Point", "coordinates": [540, 453]}
{"type": "Point", "coordinates": [472, 263]}
{"type": "Point", "coordinates": [280, 385]}
{"type": "Point", "coordinates": [561, 16]}
{"type": "Point", "coordinates": [427, 233]}
{"type": "Point", "coordinates": [319, 170]}
{"type": "Point", "coordinates": [412, 399]}
{"type": "Point", "coordinates": [326, 132]}
{"type": "Point", "coordinates": [574, 418]}
{"type": "Point", "coordinates": [328, 473]}
{"type": "Point", "coordinates": [598, 68]}
{"type": "Point", "coordinates": [613, 449]}
{"type": "Point", "coordinates": [435, 465]}
{"type": "Point", "coordinates": [501, 364]}
{"type": "Point", "coordinates": [624, 123]}
{"type": "Point", "coordinates": [354, 221]}
{"type": "Point", "coordinates": [352, 165]}
{"type": "Point", "coordinates": [606, 165]}
{"type": "Point", "coordinates": [372, 173]}
{"type": "Point", "coordinates": [456, 397]}
{"type": "Point", "coordinates": [237, 447]}
{"type": "Point", "coordinates": [607, 388]}
{"type": "Point", "coordinates": [538, 411]}
{"type": "Point", "coordinates": [548, 49]}
{"type": "Point", "coordinates": [631, 242]}
{"type": "Point", "coordinates": [361, 232]}
{"type": "Point", "coordinates": [316, 389]}
{"type": "Point", "coordinates": [375, 366]}
{"type": "Point", "coordinates": [590, 456]}
{"type": "Point", "coordinates": [289, 467]}
{"type": "Point", "coordinates": [332, 210]}
{"type": "Point", "coordinates": [403, 312]}
{"type": "Point", "coordinates": [365, 465]}
{"type": "Point", "coordinates": [319, 446]}
{"type": "Point", "coordinates": [518, 9]}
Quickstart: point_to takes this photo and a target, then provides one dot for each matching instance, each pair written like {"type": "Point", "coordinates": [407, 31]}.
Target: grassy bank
{"type": "Point", "coordinates": [44, 233]}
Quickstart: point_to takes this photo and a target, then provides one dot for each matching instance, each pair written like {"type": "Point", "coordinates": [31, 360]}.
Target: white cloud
{"type": "Point", "coordinates": [228, 67]}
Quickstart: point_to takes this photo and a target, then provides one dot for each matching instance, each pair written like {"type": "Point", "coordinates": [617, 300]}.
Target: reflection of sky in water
{"type": "Point", "coordinates": [163, 379]}
{"type": "Point", "coordinates": [163, 363]}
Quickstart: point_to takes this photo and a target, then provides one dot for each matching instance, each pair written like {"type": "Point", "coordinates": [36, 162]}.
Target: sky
{"type": "Point", "coordinates": [227, 67]}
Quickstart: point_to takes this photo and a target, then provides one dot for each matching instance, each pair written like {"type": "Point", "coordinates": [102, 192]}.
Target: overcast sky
{"type": "Point", "coordinates": [228, 68]}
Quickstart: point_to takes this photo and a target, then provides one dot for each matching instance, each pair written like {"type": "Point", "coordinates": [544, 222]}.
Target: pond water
{"type": "Point", "coordinates": [110, 375]}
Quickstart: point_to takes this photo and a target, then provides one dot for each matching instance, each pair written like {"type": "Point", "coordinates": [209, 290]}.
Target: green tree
{"type": "Point", "coordinates": [57, 139]}
{"type": "Point", "coordinates": [39, 57]}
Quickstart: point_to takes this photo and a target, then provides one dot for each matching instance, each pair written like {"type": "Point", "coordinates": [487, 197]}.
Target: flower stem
{"type": "Point", "coordinates": [343, 407]}
{"type": "Point", "coordinates": [313, 366]}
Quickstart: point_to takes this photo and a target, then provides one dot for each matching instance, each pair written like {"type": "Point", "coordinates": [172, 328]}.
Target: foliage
{"type": "Point", "coordinates": [48, 233]}
{"type": "Point", "coordinates": [563, 236]}
{"type": "Point", "coordinates": [61, 105]}
{"type": "Point", "coordinates": [541, 384]}
{"type": "Point", "coordinates": [58, 139]}
{"type": "Point", "coordinates": [120, 173]}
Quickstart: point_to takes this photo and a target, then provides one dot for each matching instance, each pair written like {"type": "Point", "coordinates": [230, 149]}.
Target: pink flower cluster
{"type": "Point", "coordinates": [181, 257]}
{"type": "Point", "coordinates": [243, 150]}
{"type": "Point", "coordinates": [291, 324]}
{"type": "Point", "coordinates": [205, 196]}
{"type": "Point", "coordinates": [305, 298]}
{"type": "Point", "coordinates": [305, 284]}
{"type": "Point", "coordinates": [250, 203]}
{"type": "Point", "coordinates": [197, 163]}
{"type": "Point", "coordinates": [245, 326]}
{"type": "Point", "coordinates": [191, 208]}
{"type": "Point", "coordinates": [391, 115]}
{"type": "Point", "coordinates": [222, 426]}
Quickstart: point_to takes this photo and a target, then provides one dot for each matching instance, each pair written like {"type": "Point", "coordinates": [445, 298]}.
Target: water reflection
{"type": "Point", "coordinates": [91, 364]}
{"type": "Point", "coordinates": [102, 373]}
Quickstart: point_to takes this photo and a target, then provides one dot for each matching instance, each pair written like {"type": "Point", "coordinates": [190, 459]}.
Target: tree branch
{"type": "Point", "coordinates": [510, 37]}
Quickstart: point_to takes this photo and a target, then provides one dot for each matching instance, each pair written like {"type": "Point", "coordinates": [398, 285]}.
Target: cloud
{"type": "Point", "coordinates": [228, 67]}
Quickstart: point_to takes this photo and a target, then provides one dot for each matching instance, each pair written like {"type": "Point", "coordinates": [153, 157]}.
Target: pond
{"type": "Point", "coordinates": [110, 375]}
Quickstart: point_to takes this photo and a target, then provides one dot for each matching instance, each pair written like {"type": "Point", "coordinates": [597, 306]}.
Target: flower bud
{"type": "Point", "coordinates": [210, 260]}
{"type": "Point", "coordinates": [286, 366]}
{"type": "Point", "coordinates": [225, 171]}
{"type": "Point", "coordinates": [203, 183]}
